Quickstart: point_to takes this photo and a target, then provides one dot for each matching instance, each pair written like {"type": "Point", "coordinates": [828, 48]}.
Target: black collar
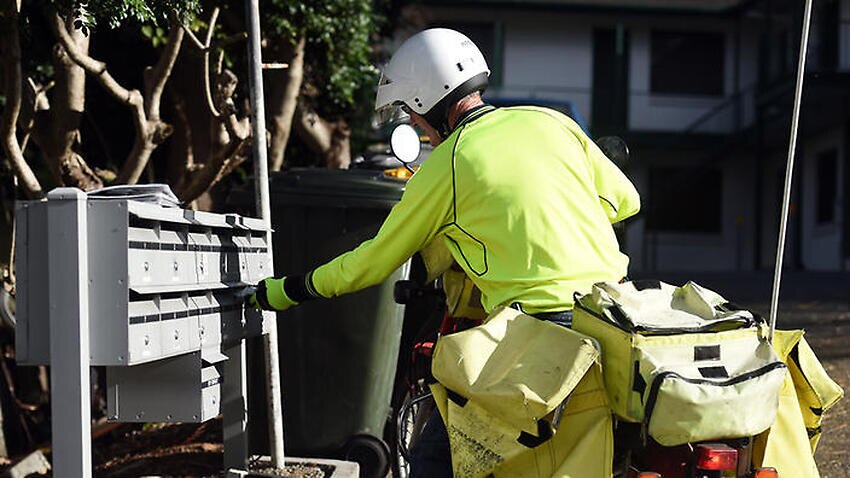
{"type": "Point", "coordinates": [472, 114]}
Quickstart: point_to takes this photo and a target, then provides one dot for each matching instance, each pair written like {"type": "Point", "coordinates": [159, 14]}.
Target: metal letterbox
{"type": "Point", "coordinates": [162, 281]}
{"type": "Point", "coordinates": [186, 388]}
{"type": "Point", "coordinates": [162, 294]}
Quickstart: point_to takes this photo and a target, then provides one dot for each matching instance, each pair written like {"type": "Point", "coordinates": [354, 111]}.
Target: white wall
{"type": "Point", "coordinates": [730, 249]}
{"type": "Point", "coordinates": [821, 242]}
{"type": "Point", "coordinates": [654, 112]}
{"type": "Point", "coordinates": [549, 54]}
{"type": "Point", "coordinates": [547, 57]}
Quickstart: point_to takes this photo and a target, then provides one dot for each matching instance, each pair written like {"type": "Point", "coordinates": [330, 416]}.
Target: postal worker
{"type": "Point", "coordinates": [520, 196]}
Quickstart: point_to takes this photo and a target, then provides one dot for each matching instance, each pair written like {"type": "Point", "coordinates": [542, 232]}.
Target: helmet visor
{"type": "Point", "coordinates": [391, 115]}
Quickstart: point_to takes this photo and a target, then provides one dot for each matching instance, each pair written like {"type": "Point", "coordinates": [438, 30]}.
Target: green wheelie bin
{"type": "Point", "coordinates": [338, 357]}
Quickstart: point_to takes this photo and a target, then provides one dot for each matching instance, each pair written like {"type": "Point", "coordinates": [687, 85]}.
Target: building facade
{"type": "Point", "coordinates": [702, 90]}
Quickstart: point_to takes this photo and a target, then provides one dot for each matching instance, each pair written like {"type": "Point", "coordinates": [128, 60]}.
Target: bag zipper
{"type": "Point", "coordinates": [656, 385]}
{"type": "Point", "coordinates": [657, 331]}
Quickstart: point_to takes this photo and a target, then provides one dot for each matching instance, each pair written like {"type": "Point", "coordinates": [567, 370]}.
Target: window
{"type": "Point", "coordinates": [686, 63]}
{"type": "Point", "coordinates": [685, 199]}
{"type": "Point", "coordinates": [827, 186]}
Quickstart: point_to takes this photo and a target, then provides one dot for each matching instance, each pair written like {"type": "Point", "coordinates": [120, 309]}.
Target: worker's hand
{"type": "Point", "coordinates": [271, 296]}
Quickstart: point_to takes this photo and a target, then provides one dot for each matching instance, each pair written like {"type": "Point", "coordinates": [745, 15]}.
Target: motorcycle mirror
{"type": "Point", "coordinates": [615, 148]}
{"type": "Point", "coordinates": [404, 143]}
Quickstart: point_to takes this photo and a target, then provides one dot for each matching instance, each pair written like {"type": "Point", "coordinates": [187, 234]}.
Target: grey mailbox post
{"type": "Point", "coordinates": [149, 292]}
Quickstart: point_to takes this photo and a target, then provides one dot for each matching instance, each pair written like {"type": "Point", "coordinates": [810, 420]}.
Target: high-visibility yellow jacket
{"type": "Point", "coordinates": [524, 201]}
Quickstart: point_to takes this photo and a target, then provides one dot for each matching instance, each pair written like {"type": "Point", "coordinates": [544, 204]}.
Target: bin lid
{"type": "Point", "coordinates": [335, 188]}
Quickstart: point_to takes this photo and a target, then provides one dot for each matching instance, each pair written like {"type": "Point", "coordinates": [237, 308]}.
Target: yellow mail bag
{"type": "Point", "coordinates": [523, 398]}
{"type": "Point", "coordinates": [682, 360]}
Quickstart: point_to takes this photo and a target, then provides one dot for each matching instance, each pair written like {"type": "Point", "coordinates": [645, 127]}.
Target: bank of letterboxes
{"type": "Point", "coordinates": [165, 299]}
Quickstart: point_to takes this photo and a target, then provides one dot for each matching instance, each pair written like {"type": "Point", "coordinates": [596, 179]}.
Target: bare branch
{"type": "Point", "coordinates": [233, 162]}
{"type": "Point", "coordinates": [235, 38]}
{"type": "Point", "coordinates": [204, 178]}
{"type": "Point", "coordinates": [225, 87]}
{"type": "Point", "coordinates": [131, 98]}
{"type": "Point", "coordinates": [235, 150]}
{"type": "Point", "coordinates": [35, 100]}
{"type": "Point", "coordinates": [284, 101]}
{"type": "Point", "coordinates": [65, 115]}
{"type": "Point", "coordinates": [192, 37]}
{"type": "Point", "coordinates": [213, 110]}
{"type": "Point", "coordinates": [238, 129]}
{"type": "Point", "coordinates": [177, 169]}
{"type": "Point", "coordinates": [92, 66]}
{"type": "Point", "coordinates": [136, 160]}
{"type": "Point", "coordinates": [163, 68]}
{"type": "Point", "coordinates": [8, 126]}
{"type": "Point", "coordinates": [219, 63]}
{"type": "Point", "coordinates": [211, 29]}
{"type": "Point", "coordinates": [205, 48]}
{"type": "Point", "coordinates": [150, 130]}
{"type": "Point", "coordinates": [327, 139]}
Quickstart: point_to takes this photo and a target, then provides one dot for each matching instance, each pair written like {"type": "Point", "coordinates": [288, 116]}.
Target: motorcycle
{"type": "Point", "coordinates": [635, 454]}
{"type": "Point", "coordinates": [446, 306]}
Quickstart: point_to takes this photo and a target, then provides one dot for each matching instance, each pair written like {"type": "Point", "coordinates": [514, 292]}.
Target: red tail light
{"type": "Point", "coordinates": [633, 473]}
{"type": "Point", "coordinates": [766, 473]}
{"type": "Point", "coordinates": [716, 456]}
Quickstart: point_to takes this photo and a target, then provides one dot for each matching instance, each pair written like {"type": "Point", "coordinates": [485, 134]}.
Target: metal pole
{"type": "Point", "coordinates": [261, 190]}
{"type": "Point", "coordinates": [68, 298]}
{"type": "Point", "coordinates": [234, 408]}
{"type": "Point", "coordinates": [789, 170]}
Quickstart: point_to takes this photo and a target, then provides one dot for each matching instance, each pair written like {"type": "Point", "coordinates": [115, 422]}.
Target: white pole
{"type": "Point", "coordinates": [789, 170]}
{"type": "Point", "coordinates": [68, 298]}
{"type": "Point", "coordinates": [261, 188]}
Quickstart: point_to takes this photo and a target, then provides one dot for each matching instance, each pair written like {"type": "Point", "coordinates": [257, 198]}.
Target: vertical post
{"type": "Point", "coordinates": [234, 408]}
{"type": "Point", "coordinates": [789, 169]}
{"type": "Point", "coordinates": [845, 190]}
{"type": "Point", "coordinates": [261, 189]}
{"type": "Point", "coordinates": [68, 299]}
{"type": "Point", "coordinates": [758, 189]}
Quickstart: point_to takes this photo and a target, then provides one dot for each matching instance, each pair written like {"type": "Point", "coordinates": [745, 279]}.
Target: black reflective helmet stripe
{"type": "Point", "coordinates": [438, 115]}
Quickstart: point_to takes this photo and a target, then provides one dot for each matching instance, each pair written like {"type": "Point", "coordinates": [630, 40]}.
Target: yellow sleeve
{"type": "Point", "coordinates": [412, 223]}
{"type": "Point", "coordinates": [617, 194]}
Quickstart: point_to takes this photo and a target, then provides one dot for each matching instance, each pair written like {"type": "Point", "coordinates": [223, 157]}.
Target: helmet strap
{"type": "Point", "coordinates": [438, 115]}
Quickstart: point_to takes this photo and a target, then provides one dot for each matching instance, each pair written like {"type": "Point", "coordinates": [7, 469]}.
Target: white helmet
{"type": "Point", "coordinates": [430, 72]}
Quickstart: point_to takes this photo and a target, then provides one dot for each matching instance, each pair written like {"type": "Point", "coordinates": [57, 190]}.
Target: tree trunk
{"type": "Point", "coordinates": [181, 155]}
{"type": "Point", "coordinates": [284, 101]}
{"type": "Point", "coordinates": [329, 140]}
{"type": "Point", "coordinates": [231, 146]}
{"type": "Point", "coordinates": [10, 47]}
{"type": "Point", "coordinates": [194, 124]}
{"type": "Point", "coordinates": [151, 130]}
{"type": "Point", "coordinates": [67, 107]}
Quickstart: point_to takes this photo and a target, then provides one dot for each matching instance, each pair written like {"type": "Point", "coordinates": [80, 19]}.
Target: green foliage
{"type": "Point", "coordinates": [339, 45]}
{"type": "Point", "coordinates": [113, 13]}
{"type": "Point", "coordinates": [157, 35]}
{"type": "Point", "coordinates": [43, 72]}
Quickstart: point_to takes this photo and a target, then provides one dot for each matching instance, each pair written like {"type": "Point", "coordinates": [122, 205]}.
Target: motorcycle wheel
{"type": "Point", "coordinates": [413, 414]}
